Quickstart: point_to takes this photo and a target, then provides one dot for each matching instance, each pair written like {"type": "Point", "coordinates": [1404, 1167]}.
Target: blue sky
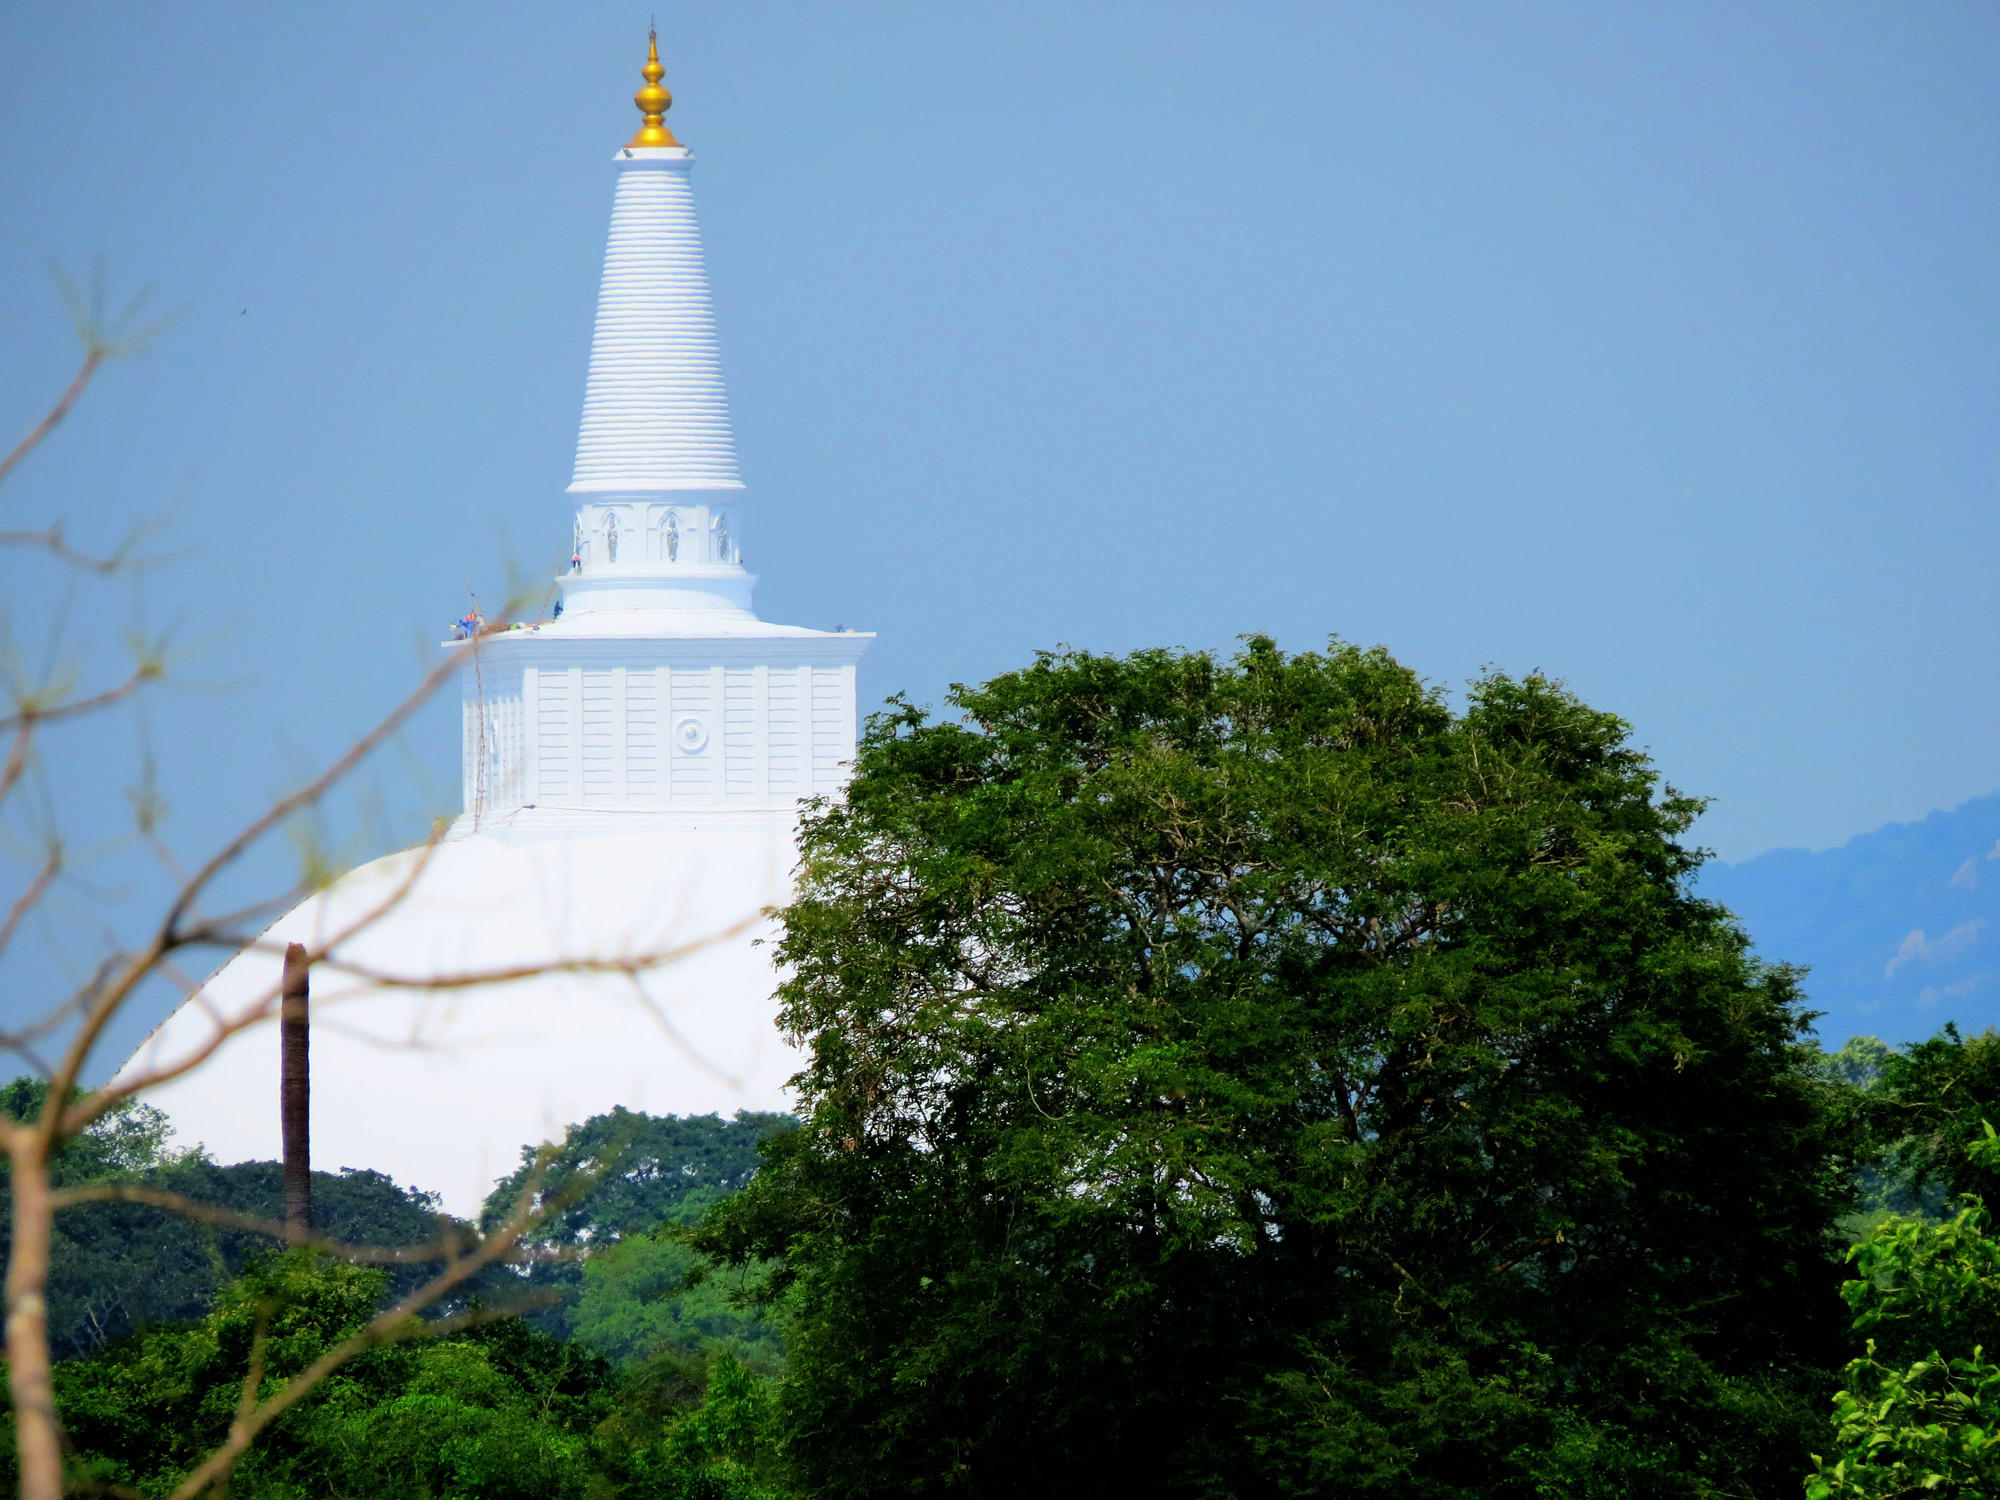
{"type": "Point", "coordinates": [1653, 347]}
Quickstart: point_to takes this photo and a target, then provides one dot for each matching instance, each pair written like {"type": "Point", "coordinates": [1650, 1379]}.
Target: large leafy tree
{"type": "Point", "coordinates": [1254, 1077]}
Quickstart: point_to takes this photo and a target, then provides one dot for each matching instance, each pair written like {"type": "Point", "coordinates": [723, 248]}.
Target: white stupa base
{"type": "Point", "coordinates": [441, 1085]}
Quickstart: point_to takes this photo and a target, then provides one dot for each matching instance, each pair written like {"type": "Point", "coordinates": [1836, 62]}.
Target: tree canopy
{"type": "Point", "coordinates": [622, 1177]}
{"type": "Point", "coordinates": [625, 1172]}
{"type": "Point", "coordinates": [1919, 1411]}
{"type": "Point", "coordinates": [652, 1293]}
{"type": "Point", "coordinates": [117, 1267]}
{"type": "Point", "coordinates": [157, 1317]}
{"type": "Point", "coordinates": [495, 1411]}
{"type": "Point", "coordinates": [1926, 1101]}
{"type": "Point", "coordinates": [1256, 1077]}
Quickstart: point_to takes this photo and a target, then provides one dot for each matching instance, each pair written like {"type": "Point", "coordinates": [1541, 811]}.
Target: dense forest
{"type": "Point", "coordinates": [648, 1375]}
{"type": "Point", "coordinates": [1223, 1078]}
{"type": "Point", "coordinates": [621, 1379]}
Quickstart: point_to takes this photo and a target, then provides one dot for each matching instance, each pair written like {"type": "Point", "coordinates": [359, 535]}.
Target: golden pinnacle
{"type": "Point", "coordinates": [653, 100]}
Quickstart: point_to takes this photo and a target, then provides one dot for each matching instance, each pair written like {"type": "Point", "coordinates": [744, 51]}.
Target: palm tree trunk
{"type": "Point", "coordinates": [295, 1091]}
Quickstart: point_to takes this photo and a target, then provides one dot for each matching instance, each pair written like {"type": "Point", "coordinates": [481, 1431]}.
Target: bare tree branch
{"type": "Point", "coordinates": [18, 760]}
{"type": "Point", "coordinates": [29, 712]}
{"type": "Point", "coordinates": [54, 540]}
{"type": "Point", "coordinates": [315, 789]}
{"type": "Point", "coordinates": [630, 967]}
{"type": "Point", "coordinates": [113, 1093]}
{"type": "Point", "coordinates": [93, 360]}
{"type": "Point", "coordinates": [30, 897]}
{"type": "Point", "coordinates": [167, 936]}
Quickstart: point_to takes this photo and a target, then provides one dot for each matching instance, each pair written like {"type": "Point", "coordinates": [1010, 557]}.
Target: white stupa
{"type": "Point", "coordinates": [632, 776]}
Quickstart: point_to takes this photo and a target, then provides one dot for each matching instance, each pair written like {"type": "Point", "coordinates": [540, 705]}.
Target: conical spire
{"type": "Point", "coordinates": [658, 523]}
{"type": "Point", "coordinates": [655, 416]}
{"type": "Point", "coordinates": [654, 100]}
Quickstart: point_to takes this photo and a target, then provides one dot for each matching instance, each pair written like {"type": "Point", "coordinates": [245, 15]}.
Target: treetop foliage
{"type": "Point", "coordinates": [646, 1294]}
{"type": "Point", "coordinates": [123, 1143]}
{"type": "Point", "coordinates": [498, 1411]}
{"type": "Point", "coordinates": [1928, 1100]}
{"type": "Point", "coordinates": [1919, 1411]}
{"type": "Point", "coordinates": [608, 1191]}
{"type": "Point", "coordinates": [625, 1173]}
{"type": "Point", "coordinates": [1246, 1073]}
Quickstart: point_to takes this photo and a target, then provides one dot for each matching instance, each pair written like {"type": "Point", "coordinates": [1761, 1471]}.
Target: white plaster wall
{"type": "Point", "coordinates": [617, 725]}
{"type": "Point", "coordinates": [493, 752]}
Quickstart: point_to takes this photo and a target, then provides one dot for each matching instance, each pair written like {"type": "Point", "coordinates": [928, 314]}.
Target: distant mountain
{"type": "Point", "coordinates": [1900, 927]}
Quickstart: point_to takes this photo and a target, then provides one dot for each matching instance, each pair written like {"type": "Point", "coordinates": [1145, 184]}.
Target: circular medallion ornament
{"type": "Point", "coordinates": [691, 735]}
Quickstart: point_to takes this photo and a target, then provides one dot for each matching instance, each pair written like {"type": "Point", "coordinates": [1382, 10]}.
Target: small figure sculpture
{"type": "Point", "coordinates": [671, 536]}
{"type": "Point", "coordinates": [611, 536]}
{"type": "Point", "coordinates": [721, 539]}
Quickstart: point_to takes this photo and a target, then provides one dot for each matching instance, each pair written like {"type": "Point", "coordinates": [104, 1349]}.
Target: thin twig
{"type": "Point", "coordinates": [27, 900]}
{"type": "Point", "coordinates": [54, 540]}
{"type": "Point", "coordinates": [93, 359]}
{"type": "Point", "coordinates": [18, 760]}
{"type": "Point", "coordinates": [253, 1378]}
{"type": "Point", "coordinates": [167, 936]}
{"type": "Point", "coordinates": [55, 713]}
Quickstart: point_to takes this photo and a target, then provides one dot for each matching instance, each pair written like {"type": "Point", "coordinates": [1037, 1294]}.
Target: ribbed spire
{"type": "Point", "coordinates": [658, 521]}
{"type": "Point", "coordinates": [655, 415]}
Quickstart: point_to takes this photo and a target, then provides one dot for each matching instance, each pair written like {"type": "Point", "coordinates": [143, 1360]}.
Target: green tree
{"type": "Point", "coordinates": [624, 1172]}
{"type": "Point", "coordinates": [619, 1175]}
{"type": "Point", "coordinates": [685, 1427]}
{"type": "Point", "coordinates": [650, 1293]}
{"type": "Point", "coordinates": [494, 1411]}
{"type": "Point", "coordinates": [1928, 1100]}
{"type": "Point", "coordinates": [1256, 1078]}
{"type": "Point", "coordinates": [1859, 1062]}
{"type": "Point", "coordinates": [1882, 1184]}
{"type": "Point", "coordinates": [1920, 1411]}
{"type": "Point", "coordinates": [123, 1142]}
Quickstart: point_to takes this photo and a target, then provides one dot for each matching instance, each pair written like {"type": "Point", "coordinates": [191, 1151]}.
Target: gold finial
{"type": "Point", "coordinates": [653, 100]}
